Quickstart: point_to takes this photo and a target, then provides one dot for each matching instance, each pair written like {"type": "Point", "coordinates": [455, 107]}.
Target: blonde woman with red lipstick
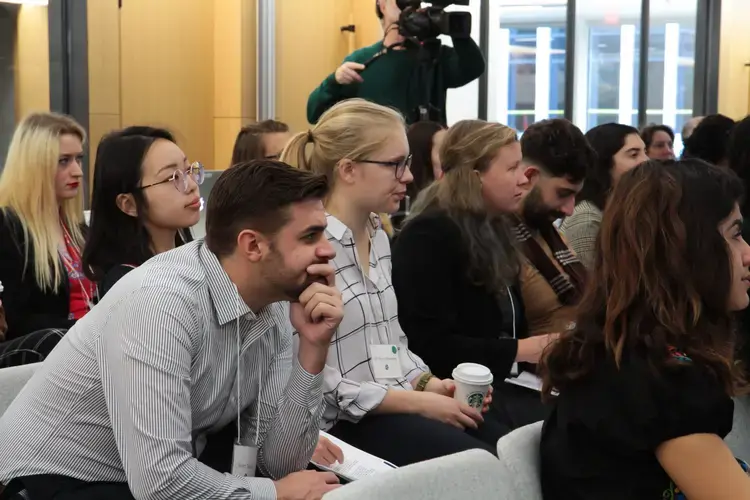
{"type": "Point", "coordinates": [42, 234]}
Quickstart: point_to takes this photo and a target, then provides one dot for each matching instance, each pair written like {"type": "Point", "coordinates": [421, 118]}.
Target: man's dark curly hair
{"type": "Point", "coordinates": [710, 139]}
{"type": "Point", "coordinates": [559, 148]}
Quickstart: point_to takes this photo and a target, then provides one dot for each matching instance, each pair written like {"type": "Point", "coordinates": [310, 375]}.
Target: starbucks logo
{"type": "Point", "coordinates": [475, 400]}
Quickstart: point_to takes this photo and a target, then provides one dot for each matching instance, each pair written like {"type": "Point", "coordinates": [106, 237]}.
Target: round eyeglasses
{"type": "Point", "coordinates": [400, 165]}
{"type": "Point", "coordinates": [180, 177]}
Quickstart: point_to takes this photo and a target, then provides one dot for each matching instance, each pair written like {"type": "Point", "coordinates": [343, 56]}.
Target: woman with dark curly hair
{"type": "Point", "coordinates": [646, 378]}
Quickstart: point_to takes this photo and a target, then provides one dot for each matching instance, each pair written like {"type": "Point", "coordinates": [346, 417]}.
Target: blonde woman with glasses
{"type": "Point", "coordinates": [42, 236]}
{"type": "Point", "coordinates": [379, 395]}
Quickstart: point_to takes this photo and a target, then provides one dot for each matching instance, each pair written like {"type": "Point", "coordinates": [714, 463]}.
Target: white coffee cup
{"type": "Point", "coordinates": [472, 383]}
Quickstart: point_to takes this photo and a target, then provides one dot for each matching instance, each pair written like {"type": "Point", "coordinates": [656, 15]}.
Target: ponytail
{"type": "Point", "coordinates": [295, 152]}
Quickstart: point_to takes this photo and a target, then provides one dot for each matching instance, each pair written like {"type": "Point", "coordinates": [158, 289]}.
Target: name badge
{"type": "Point", "coordinates": [385, 363]}
{"type": "Point", "coordinates": [244, 460]}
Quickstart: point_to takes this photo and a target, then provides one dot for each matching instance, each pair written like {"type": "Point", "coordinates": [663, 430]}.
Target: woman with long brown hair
{"type": "Point", "coordinates": [645, 380]}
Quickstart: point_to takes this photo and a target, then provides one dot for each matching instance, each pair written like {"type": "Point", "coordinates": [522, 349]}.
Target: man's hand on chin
{"type": "Point", "coordinates": [316, 317]}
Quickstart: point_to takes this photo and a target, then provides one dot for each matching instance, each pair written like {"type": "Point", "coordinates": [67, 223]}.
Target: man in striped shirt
{"type": "Point", "coordinates": [195, 339]}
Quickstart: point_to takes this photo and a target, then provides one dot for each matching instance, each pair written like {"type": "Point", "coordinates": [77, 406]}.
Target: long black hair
{"type": "Point", "coordinates": [606, 139]}
{"type": "Point", "coordinates": [115, 238]}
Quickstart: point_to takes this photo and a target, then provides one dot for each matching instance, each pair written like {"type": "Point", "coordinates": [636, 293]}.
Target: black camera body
{"type": "Point", "coordinates": [421, 24]}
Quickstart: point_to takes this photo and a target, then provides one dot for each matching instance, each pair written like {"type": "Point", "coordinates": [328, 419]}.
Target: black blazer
{"type": "Point", "coordinates": [27, 307]}
{"type": "Point", "coordinates": [447, 319]}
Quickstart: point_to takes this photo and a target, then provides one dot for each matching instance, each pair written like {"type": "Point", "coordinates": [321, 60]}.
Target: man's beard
{"type": "Point", "coordinates": [535, 213]}
{"type": "Point", "coordinates": [286, 280]}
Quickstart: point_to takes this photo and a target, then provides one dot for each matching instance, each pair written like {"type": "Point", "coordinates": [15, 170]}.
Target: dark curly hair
{"type": "Point", "coordinates": [710, 139]}
{"type": "Point", "coordinates": [606, 140]}
{"type": "Point", "coordinates": [661, 278]}
{"type": "Point", "coordinates": [559, 148]}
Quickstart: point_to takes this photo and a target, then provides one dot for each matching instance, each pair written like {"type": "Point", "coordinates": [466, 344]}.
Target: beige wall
{"type": "Point", "coordinates": [188, 66]}
{"type": "Point", "coordinates": [734, 76]}
{"type": "Point", "coordinates": [32, 61]}
{"type": "Point", "coordinates": [234, 73]}
{"type": "Point", "coordinates": [104, 73]}
{"type": "Point", "coordinates": [167, 68]}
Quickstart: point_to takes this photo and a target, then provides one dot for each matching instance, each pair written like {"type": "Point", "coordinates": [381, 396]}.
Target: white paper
{"type": "Point", "coordinates": [357, 463]}
{"type": "Point", "coordinates": [529, 381]}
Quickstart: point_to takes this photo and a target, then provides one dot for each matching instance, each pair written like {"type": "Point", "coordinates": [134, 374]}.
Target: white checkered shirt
{"type": "Point", "coordinates": [350, 388]}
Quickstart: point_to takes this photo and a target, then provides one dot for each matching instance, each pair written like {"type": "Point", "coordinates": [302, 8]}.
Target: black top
{"type": "Point", "coordinates": [111, 277]}
{"type": "Point", "coordinates": [601, 438]}
{"type": "Point", "coordinates": [447, 319]}
{"type": "Point", "coordinates": [27, 307]}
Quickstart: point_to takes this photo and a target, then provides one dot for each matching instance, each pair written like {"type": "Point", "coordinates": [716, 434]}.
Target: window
{"type": "Point", "coordinates": [526, 69]}
{"type": "Point", "coordinates": [527, 65]}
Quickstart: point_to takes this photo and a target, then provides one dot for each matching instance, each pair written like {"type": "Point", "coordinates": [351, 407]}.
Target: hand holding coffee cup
{"type": "Point", "coordinates": [473, 385]}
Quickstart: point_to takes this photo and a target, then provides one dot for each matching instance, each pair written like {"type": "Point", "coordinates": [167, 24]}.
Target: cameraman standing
{"type": "Point", "coordinates": [390, 72]}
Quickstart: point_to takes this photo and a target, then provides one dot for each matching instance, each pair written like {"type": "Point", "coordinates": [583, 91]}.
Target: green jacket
{"type": "Point", "coordinates": [391, 80]}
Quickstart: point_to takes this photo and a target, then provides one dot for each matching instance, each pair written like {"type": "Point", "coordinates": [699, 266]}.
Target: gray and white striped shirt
{"type": "Point", "coordinates": [135, 385]}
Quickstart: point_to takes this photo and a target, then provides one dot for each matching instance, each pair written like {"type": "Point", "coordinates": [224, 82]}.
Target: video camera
{"type": "Point", "coordinates": [430, 22]}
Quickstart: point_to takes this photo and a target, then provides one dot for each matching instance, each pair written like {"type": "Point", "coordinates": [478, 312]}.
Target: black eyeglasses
{"type": "Point", "coordinates": [400, 165]}
{"type": "Point", "coordinates": [180, 177]}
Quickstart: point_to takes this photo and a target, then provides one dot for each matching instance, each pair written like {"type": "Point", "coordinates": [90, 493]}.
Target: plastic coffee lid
{"type": "Point", "coordinates": [473, 373]}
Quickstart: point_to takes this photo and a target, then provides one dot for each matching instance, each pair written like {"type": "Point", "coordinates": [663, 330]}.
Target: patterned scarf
{"type": "Point", "coordinates": [568, 288]}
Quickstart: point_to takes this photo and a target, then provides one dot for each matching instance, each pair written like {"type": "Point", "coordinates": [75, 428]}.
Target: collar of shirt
{"type": "Point", "coordinates": [226, 299]}
{"type": "Point", "coordinates": [338, 229]}
{"type": "Point", "coordinates": [341, 233]}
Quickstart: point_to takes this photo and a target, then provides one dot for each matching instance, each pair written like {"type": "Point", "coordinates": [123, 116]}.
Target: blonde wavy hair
{"type": "Point", "coordinates": [469, 147]}
{"type": "Point", "coordinates": [27, 189]}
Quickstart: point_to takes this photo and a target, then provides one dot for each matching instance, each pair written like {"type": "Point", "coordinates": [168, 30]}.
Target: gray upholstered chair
{"type": "Point", "coordinates": [519, 454]}
{"type": "Point", "coordinates": [12, 381]}
{"type": "Point", "coordinates": [739, 439]}
{"type": "Point", "coordinates": [473, 474]}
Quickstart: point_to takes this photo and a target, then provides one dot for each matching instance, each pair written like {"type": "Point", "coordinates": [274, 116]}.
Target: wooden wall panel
{"type": "Point", "coordinates": [234, 73]}
{"type": "Point", "coordinates": [734, 76]}
{"type": "Point", "coordinates": [368, 26]}
{"type": "Point", "coordinates": [309, 47]}
{"type": "Point", "coordinates": [32, 61]}
{"type": "Point", "coordinates": [167, 70]}
{"type": "Point", "coordinates": [104, 72]}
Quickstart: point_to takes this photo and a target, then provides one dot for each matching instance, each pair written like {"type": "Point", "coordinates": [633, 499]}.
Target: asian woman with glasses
{"type": "Point", "coordinates": [144, 201]}
{"type": "Point", "coordinates": [380, 396]}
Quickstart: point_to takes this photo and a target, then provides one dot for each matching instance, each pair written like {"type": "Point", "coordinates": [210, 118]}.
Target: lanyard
{"type": "Point", "coordinates": [69, 262]}
{"type": "Point", "coordinates": [239, 393]}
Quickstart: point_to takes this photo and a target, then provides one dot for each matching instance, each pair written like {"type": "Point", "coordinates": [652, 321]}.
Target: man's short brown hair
{"type": "Point", "coordinates": [256, 195]}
